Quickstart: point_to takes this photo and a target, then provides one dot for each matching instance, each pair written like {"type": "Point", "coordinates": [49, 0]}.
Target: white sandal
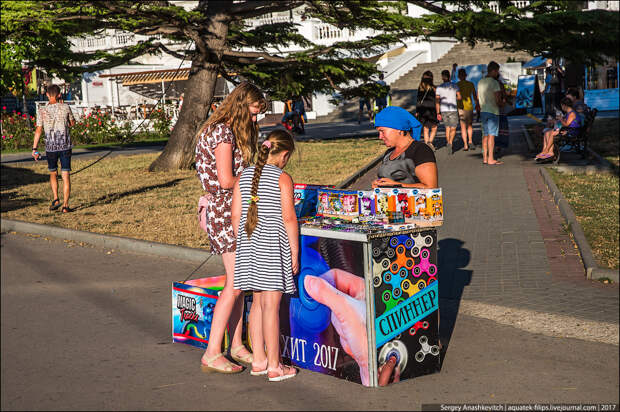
{"type": "Point", "coordinates": [281, 375]}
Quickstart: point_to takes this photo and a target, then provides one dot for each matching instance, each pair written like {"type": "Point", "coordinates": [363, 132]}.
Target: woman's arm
{"type": "Point", "coordinates": [289, 217]}
{"type": "Point", "coordinates": [571, 118]}
{"type": "Point", "coordinates": [224, 165]}
{"type": "Point", "coordinates": [236, 208]}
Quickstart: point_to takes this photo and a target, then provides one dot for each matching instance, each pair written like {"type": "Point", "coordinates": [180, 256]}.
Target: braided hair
{"type": "Point", "coordinates": [277, 141]}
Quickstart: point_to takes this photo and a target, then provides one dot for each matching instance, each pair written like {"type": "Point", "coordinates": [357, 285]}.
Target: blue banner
{"type": "Point", "coordinates": [400, 318]}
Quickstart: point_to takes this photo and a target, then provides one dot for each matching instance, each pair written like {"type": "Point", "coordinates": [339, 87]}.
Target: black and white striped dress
{"type": "Point", "coordinates": [263, 262]}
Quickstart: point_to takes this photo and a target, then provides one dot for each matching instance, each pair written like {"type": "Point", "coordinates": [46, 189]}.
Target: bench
{"type": "Point", "coordinates": [579, 142]}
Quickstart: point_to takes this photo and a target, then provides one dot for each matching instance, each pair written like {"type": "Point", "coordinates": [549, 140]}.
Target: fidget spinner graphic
{"type": "Point", "coordinates": [401, 261]}
{"type": "Point", "coordinates": [410, 288]}
{"type": "Point", "coordinates": [426, 349]}
{"type": "Point", "coordinates": [377, 271]}
{"type": "Point", "coordinates": [378, 250]}
{"type": "Point", "coordinates": [389, 300]}
{"type": "Point", "coordinates": [404, 240]}
{"type": "Point", "coordinates": [425, 265]}
{"type": "Point", "coordinates": [418, 325]}
{"type": "Point", "coordinates": [419, 242]}
{"type": "Point", "coordinates": [394, 348]}
{"type": "Point", "coordinates": [395, 280]}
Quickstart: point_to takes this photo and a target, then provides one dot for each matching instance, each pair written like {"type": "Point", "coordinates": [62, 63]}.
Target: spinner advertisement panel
{"type": "Point", "coordinates": [404, 270]}
{"type": "Point", "coordinates": [323, 325]}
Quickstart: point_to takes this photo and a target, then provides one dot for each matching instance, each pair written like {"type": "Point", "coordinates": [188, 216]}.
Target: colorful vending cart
{"type": "Point", "coordinates": [364, 294]}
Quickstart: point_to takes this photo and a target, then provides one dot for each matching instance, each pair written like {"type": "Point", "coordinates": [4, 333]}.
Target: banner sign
{"type": "Point", "coordinates": [402, 317]}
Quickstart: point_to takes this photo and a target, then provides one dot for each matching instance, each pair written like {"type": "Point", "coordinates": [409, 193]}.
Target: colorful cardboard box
{"type": "Point", "coordinates": [337, 203]}
{"type": "Point", "coordinates": [192, 310]}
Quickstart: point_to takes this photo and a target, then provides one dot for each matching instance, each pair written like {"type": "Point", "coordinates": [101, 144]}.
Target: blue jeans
{"type": "Point", "coordinates": [65, 160]}
{"type": "Point", "coordinates": [490, 124]}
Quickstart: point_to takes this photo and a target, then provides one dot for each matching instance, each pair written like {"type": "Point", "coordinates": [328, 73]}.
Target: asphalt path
{"type": "Point", "coordinates": [89, 328]}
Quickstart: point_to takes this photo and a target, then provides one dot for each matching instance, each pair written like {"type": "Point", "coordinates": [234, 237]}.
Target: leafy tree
{"type": "Point", "coordinates": [281, 61]}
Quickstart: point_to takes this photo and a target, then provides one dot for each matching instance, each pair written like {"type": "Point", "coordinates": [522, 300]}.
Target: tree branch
{"type": "Point", "coordinates": [429, 6]}
{"type": "Point", "coordinates": [249, 9]}
{"type": "Point", "coordinates": [258, 55]}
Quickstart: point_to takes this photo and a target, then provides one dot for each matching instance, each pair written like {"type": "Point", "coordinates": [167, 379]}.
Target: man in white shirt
{"type": "Point", "coordinates": [446, 97]}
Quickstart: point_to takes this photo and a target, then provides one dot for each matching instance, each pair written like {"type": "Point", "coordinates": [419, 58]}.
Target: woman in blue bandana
{"type": "Point", "coordinates": [408, 162]}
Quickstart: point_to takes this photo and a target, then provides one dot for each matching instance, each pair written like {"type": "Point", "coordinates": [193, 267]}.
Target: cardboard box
{"type": "Point", "coordinates": [192, 310]}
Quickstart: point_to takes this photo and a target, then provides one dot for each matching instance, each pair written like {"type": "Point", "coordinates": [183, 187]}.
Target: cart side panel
{"type": "Point", "coordinates": [405, 279]}
{"type": "Point", "coordinates": [309, 339]}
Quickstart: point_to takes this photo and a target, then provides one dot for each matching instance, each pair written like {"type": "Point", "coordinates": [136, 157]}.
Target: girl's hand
{"type": "Point", "coordinates": [295, 264]}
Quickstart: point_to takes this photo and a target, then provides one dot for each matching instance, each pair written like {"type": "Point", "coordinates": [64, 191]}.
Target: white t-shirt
{"type": "Point", "coordinates": [447, 97]}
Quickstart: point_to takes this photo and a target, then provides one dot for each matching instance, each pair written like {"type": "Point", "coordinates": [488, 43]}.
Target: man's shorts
{"type": "Point", "coordinates": [490, 124]}
{"type": "Point", "coordinates": [450, 119]}
{"type": "Point", "coordinates": [466, 116]}
{"type": "Point", "coordinates": [65, 160]}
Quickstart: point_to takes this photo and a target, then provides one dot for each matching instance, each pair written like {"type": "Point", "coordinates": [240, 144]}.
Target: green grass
{"type": "Point", "coordinates": [594, 198]}
{"type": "Point", "coordinates": [118, 196]}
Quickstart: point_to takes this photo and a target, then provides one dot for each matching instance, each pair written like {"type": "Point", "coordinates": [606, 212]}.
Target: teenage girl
{"type": "Point", "coordinates": [226, 145]}
{"type": "Point", "coordinates": [264, 220]}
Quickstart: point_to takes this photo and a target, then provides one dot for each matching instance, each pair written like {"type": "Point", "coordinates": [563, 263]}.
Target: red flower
{"type": "Point", "coordinates": [99, 123]}
{"type": "Point", "coordinates": [3, 107]}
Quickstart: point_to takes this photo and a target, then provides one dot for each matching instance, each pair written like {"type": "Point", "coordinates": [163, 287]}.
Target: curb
{"type": "Point", "coordinates": [109, 241]}
{"type": "Point", "coordinates": [593, 270]}
{"type": "Point", "coordinates": [605, 164]}
{"type": "Point", "coordinates": [351, 179]}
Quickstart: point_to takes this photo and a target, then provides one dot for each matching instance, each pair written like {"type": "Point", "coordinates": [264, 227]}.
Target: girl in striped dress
{"type": "Point", "coordinates": [264, 220]}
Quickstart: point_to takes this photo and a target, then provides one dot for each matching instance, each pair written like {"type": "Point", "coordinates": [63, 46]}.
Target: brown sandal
{"type": "Point", "coordinates": [245, 359]}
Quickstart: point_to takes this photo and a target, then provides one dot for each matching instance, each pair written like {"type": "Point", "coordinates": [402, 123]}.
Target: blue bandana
{"type": "Point", "coordinates": [400, 119]}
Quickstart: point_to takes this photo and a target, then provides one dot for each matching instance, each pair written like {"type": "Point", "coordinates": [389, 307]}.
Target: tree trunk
{"type": "Point", "coordinates": [199, 90]}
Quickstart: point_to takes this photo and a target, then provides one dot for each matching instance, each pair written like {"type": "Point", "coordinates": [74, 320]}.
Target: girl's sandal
{"type": "Point", "coordinates": [246, 359]}
{"type": "Point", "coordinates": [209, 365]}
{"type": "Point", "coordinates": [261, 371]}
{"type": "Point", "coordinates": [281, 374]}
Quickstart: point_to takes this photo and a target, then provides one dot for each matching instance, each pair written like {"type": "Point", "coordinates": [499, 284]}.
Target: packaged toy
{"type": "Point", "coordinates": [366, 203]}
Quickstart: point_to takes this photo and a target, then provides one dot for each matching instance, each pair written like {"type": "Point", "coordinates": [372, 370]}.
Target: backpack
{"type": "Point", "coordinates": [202, 211]}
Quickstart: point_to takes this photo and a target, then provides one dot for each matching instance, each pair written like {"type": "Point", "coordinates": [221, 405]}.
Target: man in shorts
{"type": "Point", "coordinates": [446, 97]}
{"type": "Point", "coordinates": [490, 95]}
{"type": "Point", "coordinates": [54, 119]}
{"type": "Point", "coordinates": [466, 109]}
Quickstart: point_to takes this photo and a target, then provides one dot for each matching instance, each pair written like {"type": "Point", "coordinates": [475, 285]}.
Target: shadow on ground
{"type": "Point", "coordinates": [111, 197]}
{"type": "Point", "coordinates": [452, 257]}
{"type": "Point", "coordinates": [13, 177]}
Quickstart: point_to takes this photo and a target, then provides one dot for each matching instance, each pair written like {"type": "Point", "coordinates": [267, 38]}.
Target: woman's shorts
{"type": "Point", "coordinates": [427, 116]}
{"type": "Point", "coordinates": [65, 160]}
{"type": "Point", "coordinates": [466, 116]}
{"type": "Point", "coordinates": [490, 124]}
{"type": "Point", "coordinates": [364, 102]}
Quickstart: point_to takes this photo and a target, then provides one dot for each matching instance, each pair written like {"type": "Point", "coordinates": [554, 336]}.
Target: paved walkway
{"type": "Point", "coordinates": [493, 248]}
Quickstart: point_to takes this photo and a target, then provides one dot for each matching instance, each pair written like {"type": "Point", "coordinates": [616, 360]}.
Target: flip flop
{"type": "Point", "coordinates": [66, 209]}
{"type": "Point", "coordinates": [55, 204]}
{"type": "Point", "coordinates": [499, 162]}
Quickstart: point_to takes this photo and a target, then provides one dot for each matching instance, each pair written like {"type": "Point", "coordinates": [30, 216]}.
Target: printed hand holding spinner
{"type": "Point", "coordinates": [394, 348]}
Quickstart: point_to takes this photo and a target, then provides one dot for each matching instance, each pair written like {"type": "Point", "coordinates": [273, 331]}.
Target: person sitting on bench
{"type": "Point", "coordinates": [568, 125]}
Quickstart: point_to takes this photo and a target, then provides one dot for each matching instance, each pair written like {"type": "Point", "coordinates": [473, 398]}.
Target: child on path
{"type": "Point", "coordinates": [264, 220]}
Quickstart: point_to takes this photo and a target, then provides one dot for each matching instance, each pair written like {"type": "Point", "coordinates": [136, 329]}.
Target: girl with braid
{"type": "Point", "coordinates": [264, 220]}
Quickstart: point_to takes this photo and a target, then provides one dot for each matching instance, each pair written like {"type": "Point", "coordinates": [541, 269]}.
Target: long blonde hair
{"type": "Point", "coordinates": [234, 111]}
{"type": "Point", "coordinates": [279, 141]}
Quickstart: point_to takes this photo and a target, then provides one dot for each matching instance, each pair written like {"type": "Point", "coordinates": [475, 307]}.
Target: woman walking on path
{"type": "Point", "coordinates": [426, 111]}
{"type": "Point", "coordinates": [227, 145]}
{"type": "Point", "coordinates": [264, 220]}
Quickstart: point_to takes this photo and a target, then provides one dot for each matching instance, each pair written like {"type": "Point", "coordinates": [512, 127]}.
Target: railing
{"type": "Point", "coordinates": [270, 20]}
{"type": "Point", "coordinates": [114, 41]}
